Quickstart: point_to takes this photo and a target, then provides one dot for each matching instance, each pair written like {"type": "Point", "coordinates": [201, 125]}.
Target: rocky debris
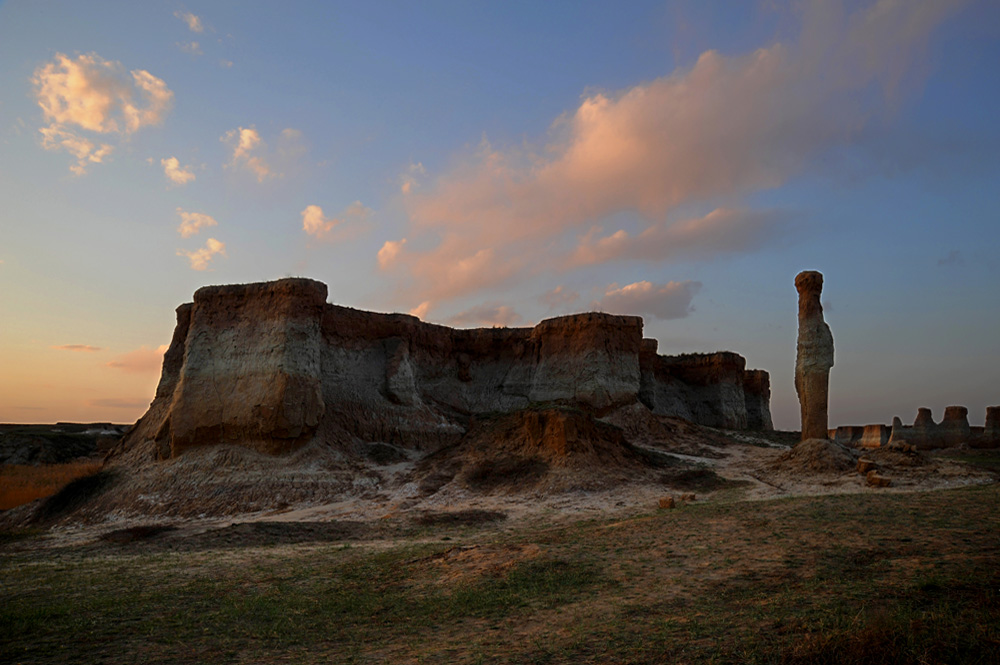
{"type": "Point", "coordinates": [874, 436]}
{"type": "Point", "coordinates": [815, 456]}
{"type": "Point", "coordinates": [865, 465]}
{"type": "Point", "coordinates": [874, 479]}
{"type": "Point", "coordinates": [814, 356]}
{"type": "Point", "coordinates": [271, 366]}
{"type": "Point", "coordinates": [667, 502]}
{"type": "Point", "coordinates": [537, 449]}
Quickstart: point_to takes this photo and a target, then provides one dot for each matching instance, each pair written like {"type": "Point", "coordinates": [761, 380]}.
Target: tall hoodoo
{"type": "Point", "coordinates": [814, 356]}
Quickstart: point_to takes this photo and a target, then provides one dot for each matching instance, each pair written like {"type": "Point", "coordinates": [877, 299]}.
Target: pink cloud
{"type": "Point", "coordinates": [348, 223]}
{"type": "Point", "coordinates": [85, 348]}
{"type": "Point", "coordinates": [140, 361]}
{"type": "Point", "coordinates": [486, 315]}
{"type": "Point", "coordinates": [91, 94]}
{"type": "Point", "coordinates": [727, 126]}
{"type": "Point", "coordinates": [558, 297]}
{"type": "Point", "coordinates": [201, 258]}
{"type": "Point", "coordinates": [664, 301]}
{"type": "Point", "coordinates": [722, 231]}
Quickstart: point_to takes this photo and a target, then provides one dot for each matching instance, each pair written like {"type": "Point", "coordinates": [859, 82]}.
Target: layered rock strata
{"type": "Point", "coordinates": [814, 356]}
{"type": "Point", "coordinates": [272, 366]}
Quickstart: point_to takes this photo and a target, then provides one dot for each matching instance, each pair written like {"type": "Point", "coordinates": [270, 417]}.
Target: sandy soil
{"type": "Point", "coordinates": [745, 467]}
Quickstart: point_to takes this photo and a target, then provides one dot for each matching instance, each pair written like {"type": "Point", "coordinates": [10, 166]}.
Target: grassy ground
{"type": "Point", "coordinates": [21, 484]}
{"type": "Point", "coordinates": [875, 578]}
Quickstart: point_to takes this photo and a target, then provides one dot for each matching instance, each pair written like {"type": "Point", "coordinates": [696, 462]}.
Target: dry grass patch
{"type": "Point", "coordinates": [23, 484]}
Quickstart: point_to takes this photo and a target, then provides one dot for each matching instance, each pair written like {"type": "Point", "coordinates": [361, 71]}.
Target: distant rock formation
{"type": "Point", "coordinates": [814, 356]}
{"type": "Point", "coordinates": [954, 430]}
{"type": "Point", "coordinates": [272, 366]}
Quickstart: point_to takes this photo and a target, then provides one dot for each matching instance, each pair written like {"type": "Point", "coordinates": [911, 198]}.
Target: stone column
{"type": "Point", "coordinates": [814, 357]}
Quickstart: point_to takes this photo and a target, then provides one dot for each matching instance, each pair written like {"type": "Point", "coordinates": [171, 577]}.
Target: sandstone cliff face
{"type": "Point", "coordinates": [272, 366]}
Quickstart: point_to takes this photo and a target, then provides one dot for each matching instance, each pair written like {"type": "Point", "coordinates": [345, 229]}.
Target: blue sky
{"type": "Point", "coordinates": [501, 163]}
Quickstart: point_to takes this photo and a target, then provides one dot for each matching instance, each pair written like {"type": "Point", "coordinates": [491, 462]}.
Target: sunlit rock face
{"type": "Point", "coordinates": [272, 366]}
{"type": "Point", "coordinates": [814, 357]}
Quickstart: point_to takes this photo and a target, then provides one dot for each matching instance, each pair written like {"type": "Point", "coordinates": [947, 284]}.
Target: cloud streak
{"type": "Point", "coordinates": [663, 301]}
{"type": "Point", "coordinates": [84, 348]}
{"type": "Point", "coordinates": [193, 22]}
{"type": "Point", "coordinates": [712, 133]}
{"type": "Point", "coordinates": [487, 315]}
{"type": "Point", "coordinates": [143, 360]}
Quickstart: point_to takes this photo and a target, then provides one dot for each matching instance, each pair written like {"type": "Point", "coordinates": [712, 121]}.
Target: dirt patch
{"type": "Point", "coordinates": [460, 518]}
{"type": "Point", "coordinates": [463, 563]}
{"type": "Point", "coordinates": [133, 533]}
{"type": "Point", "coordinates": [816, 456]}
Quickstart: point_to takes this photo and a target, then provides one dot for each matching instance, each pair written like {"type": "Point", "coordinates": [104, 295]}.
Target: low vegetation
{"type": "Point", "coordinates": [863, 578]}
{"type": "Point", "coordinates": [22, 484]}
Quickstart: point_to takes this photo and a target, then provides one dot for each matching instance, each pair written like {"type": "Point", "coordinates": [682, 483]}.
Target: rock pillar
{"type": "Point", "coordinates": [814, 356]}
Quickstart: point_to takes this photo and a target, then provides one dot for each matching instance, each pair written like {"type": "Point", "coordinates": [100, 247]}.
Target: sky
{"type": "Point", "coordinates": [499, 163]}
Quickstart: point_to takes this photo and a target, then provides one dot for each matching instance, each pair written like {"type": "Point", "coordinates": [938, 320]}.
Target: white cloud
{"type": "Point", "coordinates": [94, 95]}
{"type": "Point", "coordinates": [194, 23]}
{"type": "Point", "coordinates": [177, 174]}
{"type": "Point", "coordinates": [193, 222]}
{"type": "Point", "coordinates": [664, 301]}
{"type": "Point", "coordinates": [350, 221]}
{"type": "Point", "coordinates": [201, 258]}
{"type": "Point", "coordinates": [225, 64]}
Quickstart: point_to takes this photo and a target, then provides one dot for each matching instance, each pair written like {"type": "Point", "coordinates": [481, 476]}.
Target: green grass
{"type": "Point", "coordinates": [892, 578]}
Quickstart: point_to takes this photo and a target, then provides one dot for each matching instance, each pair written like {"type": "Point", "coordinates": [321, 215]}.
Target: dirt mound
{"type": "Point", "coordinates": [816, 456]}
{"type": "Point", "coordinates": [534, 450]}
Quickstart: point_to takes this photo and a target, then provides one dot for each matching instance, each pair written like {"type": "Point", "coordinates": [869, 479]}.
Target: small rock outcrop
{"type": "Point", "coordinates": [814, 356]}
{"type": "Point", "coordinates": [272, 366]}
{"type": "Point", "coordinates": [953, 430]}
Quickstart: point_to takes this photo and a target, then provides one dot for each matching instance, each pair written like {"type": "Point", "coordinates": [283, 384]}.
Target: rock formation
{"type": "Point", "coordinates": [814, 356]}
{"type": "Point", "coordinates": [272, 366]}
{"type": "Point", "coordinates": [954, 430]}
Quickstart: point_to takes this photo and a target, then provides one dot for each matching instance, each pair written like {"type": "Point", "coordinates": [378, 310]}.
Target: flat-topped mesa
{"type": "Point", "coordinates": [272, 366]}
{"type": "Point", "coordinates": [814, 357]}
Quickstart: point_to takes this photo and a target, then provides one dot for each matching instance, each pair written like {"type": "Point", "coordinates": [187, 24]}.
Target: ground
{"type": "Point", "coordinates": [762, 566]}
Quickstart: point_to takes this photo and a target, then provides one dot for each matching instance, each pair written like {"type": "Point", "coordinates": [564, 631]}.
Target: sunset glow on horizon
{"type": "Point", "coordinates": [479, 164]}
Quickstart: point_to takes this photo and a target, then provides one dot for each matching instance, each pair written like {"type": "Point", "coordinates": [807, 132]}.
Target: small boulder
{"type": "Point", "coordinates": [876, 480]}
{"type": "Point", "coordinates": [865, 465]}
{"type": "Point", "coordinates": [667, 502]}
